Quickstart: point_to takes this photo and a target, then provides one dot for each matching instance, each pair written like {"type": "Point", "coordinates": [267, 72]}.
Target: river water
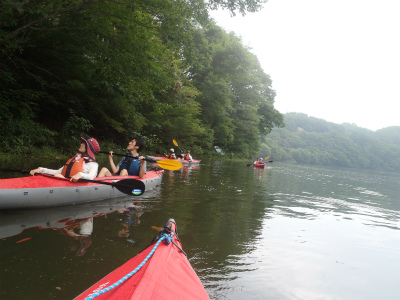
{"type": "Point", "coordinates": [286, 232]}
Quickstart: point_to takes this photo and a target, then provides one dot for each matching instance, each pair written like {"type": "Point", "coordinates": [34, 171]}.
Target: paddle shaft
{"type": "Point", "coordinates": [176, 144]}
{"type": "Point", "coordinates": [125, 155]}
{"type": "Point", "coordinates": [129, 186]}
{"type": "Point", "coordinates": [163, 163]}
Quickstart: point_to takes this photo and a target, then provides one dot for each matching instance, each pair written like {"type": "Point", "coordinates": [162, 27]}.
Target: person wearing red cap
{"type": "Point", "coordinates": [82, 165]}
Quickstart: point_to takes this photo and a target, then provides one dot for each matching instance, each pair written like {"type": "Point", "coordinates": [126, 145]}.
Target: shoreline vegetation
{"type": "Point", "coordinates": [114, 70]}
{"type": "Point", "coordinates": [304, 140]}
{"type": "Point", "coordinates": [160, 70]}
{"type": "Point", "coordinates": [309, 140]}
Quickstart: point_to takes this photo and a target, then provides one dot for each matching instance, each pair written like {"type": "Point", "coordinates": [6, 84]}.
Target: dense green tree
{"type": "Point", "coordinates": [117, 68]}
{"type": "Point", "coordinates": [97, 59]}
{"type": "Point", "coordinates": [389, 135]}
{"type": "Point", "coordinates": [237, 98]}
{"type": "Point", "coordinates": [233, 6]}
{"type": "Point", "coordinates": [314, 141]}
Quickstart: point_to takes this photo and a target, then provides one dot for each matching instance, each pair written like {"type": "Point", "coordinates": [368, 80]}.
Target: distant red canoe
{"type": "Point", "coordinates": [166, 275]}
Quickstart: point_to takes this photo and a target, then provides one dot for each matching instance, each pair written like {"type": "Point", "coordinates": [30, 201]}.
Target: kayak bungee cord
{"type": "Point", "coordinates": [180, 249]}
{"type": "Point", "coordinates": [167, 240]}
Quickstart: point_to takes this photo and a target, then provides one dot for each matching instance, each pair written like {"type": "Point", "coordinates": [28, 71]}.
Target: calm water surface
{"type": "Point", "coordinates": [285, 232]}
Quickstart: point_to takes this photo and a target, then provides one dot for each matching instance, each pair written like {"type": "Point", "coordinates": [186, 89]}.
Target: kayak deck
{"type": "Point", "coordinates": [164, 273]}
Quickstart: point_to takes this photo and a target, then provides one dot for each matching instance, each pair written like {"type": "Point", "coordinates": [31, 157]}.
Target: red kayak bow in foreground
{"type": "Point", "coordinates": [161, 271]}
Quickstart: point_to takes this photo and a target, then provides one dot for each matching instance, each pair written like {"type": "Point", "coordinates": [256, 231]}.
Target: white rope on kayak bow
{"type": "Point", "coordinates": [165, 237]}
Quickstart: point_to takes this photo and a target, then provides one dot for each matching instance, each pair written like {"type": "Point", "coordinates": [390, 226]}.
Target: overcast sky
{"type": "Point", "coordinates": [338, 60]}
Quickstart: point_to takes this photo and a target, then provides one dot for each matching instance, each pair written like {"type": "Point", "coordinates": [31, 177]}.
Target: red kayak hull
{"type": "Point", "coordinates": [259, 165]}
{"type": "Point", "coordinates": [167, 275]}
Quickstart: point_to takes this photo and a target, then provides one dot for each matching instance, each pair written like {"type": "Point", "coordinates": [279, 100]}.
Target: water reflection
{"type": "Point", "coordinates": [234, 201]}
{"type": "Point", "coordinates": [186, 171]}
{"type": "Point", "coordinates": [283, 232]}
{"type": "Point", "coordinates": [95, 237]}
{"type": "Point", "coordinates": [129, 217]}
{"type": "Point", "coordinates": [81, 236]}
{"type": "Point", "coordinates": [315, 191]}
{"type": "Point", "coordinates": [74, 220]}
{"type": "Point", "coordinates": [326, 234]}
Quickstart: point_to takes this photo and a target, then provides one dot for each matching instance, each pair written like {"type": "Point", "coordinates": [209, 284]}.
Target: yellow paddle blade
{"type": "Point", "coordinates": [169, 164]}
{"type": "Point", "coordinates": [157, 228]}
{"type": "Point", "coordinates": [175, 143]}
{"type": "Point", "coordinates": [267, 157]}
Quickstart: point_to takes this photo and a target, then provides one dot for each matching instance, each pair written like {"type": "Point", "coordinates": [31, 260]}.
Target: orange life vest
{"type": "Point", "coordinates": [187, 155]}
{"type": "Point", "coordinates": [170, 156]}
{"type": "Point", "coordinates": [72, 167]}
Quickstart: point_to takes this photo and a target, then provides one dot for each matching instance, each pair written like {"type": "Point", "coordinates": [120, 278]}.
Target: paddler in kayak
{"type": "Point", "coordinates": [171, 154]}
{"type": "Point", "coordinates": [133, 165]}
{"type": "Point", "coordinates": [82, 165]}
{"type": "Point", "coordinates": [259, 161]}
{"type": "Point", "coordinates": [188, 156]}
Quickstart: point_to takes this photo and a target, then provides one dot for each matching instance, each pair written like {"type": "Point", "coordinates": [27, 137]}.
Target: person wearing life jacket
{"type": "Point", "coordinates": [259, 161]}
{"type": "Point", "coordinates": [82, 165]}
{"type": "Point", "coordinates": [188, 156]}
{"type": "Point", "coordinates": [133, 164]}
{"type": "Point", "coordinates": [171, 154]}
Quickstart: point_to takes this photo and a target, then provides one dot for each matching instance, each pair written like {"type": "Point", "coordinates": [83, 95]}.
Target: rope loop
{"type": "Point", "coordinates": [168, 239]}
{"type": "Point", "coordinates": [126, 277]}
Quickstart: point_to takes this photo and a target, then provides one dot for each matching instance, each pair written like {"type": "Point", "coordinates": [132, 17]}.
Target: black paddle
{"type": "Point", "coordinates": [168, 164]}
{"type": "Point", "coordinates": [127, 186]}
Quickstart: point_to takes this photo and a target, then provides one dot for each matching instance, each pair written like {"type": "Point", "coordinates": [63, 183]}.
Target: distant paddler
{"type": "Point", "coordinates": [187, 156]}
{"type": "Point", "coordinates": [171, 154]}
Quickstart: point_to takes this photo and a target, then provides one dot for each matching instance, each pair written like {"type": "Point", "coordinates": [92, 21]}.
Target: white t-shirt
{"type": "Point", "coordinates": [89, 171]}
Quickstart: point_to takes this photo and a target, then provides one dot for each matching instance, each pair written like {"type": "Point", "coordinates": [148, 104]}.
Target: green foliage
{"type": "Point", "coordinates": [242, 5]}
{"type": "Point", "coordinates": [19, 132]}
{"type": "Point", "coordinates": [237, 98]}
{"type": "Point", "coordinates": [116, 69]}
{"type": "Point", "coordinates": [314, 141]}
{"type": "Point", "coordinates": [390, 135]}
{"type": "Point", "coordinates": [74, 128]}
